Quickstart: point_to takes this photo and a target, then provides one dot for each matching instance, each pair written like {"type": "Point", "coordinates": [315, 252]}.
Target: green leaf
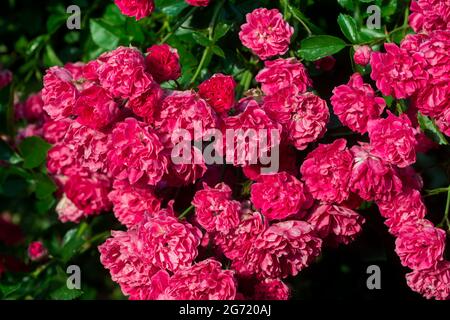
{"type": "Point", "coordinates": [431, 130]}
{"type": "Point", "coordinates": [73, 240]}
{"type": "Point", "coordinates": [317, 47]}
{"type": "Point", "coordinates": [171, 7]}
{"type": "Point", "coordinates": [201, 39]}
{"type": "Point", "coordinates": [34, 151]}
{"type": "Point", "coordinates": [347, 4]}
{"type": "Point", "coordinates": [103, 34]}
{"type": "Point", "coordinates": [44, 186]}
{"type": "Point", "coordinates": [50, 57]}
{"type": "Point", "coordinates": [64, 293]}
{"type": "Point", "coordinates": [218, 51]}
{"type": "Point", "coordinates": [221, 30]}
{"type": "Point", "coordinates": [113, 16]}
{"type": "Point", "coordinates": [348, 27]}
{"type": "Point", "coordinates": [55, 21]}
{"type": "Point", "coordinates": [300, 16]}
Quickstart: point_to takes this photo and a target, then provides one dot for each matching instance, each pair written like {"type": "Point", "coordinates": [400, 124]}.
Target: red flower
{"type": "Point", "coordinates": [218, 91]}
{"type": "Point", "coordinates": [163, 63]}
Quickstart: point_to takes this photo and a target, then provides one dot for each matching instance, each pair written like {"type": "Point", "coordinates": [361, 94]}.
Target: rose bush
{"type": "Point", "coordinates": [354, 121]}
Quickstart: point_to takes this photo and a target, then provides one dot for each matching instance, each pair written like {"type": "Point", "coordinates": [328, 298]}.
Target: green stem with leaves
{"type": "Point", "coordinates": [179, 24]}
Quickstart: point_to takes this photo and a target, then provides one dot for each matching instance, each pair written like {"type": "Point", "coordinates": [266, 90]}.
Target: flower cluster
{"type": "Point", "coordinates": [191, 230]}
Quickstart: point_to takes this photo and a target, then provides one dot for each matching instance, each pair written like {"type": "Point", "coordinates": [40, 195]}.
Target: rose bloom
{"type": "Point", "coordinates": [89, 194]}
{"type": "Point", "coordinates": [327, 171]}
{"type": "Point", "coordinates": [282, 250]}
{"type": "Point", "coordinates": [214, 208]}
{"type": "Point", "coordinates": [283, 73]}
{"type": "Point", "coordinates": [59, 93]}
{"type": "Point", "coordinates": [239, 241]}
{"type": "Point", "coordinates": [132, 202]}
{"type": "Point", "coordinates": [336, 224]}
{"type": "Point", "coordinates": [167, 242]}
{"type": "Point", "coordinates": [122, 256]}
{"type": "Point", "coordinates": [429, 15]}
{"type": "Point", "coordinates": [122, 73]}
{"type": "Point", "coordinates": [136, 8]}
{"type": "Point", "coordinates": [68, 211]}
{"type": "Point", "coordinates": [434, 48]}
{"type": "Point", "coordinates": [433, 283]}
{"type": "Point", "coordinates": [355, 103]}
{"type": "Point", "coordinates": [5, 78]}
{"type": "Point", "coordinates": [362, 55]}
{"type": "Point", "coordinates": [271, 289]}
{"type": "Point", "coordinates": [37, 251]}
{"type": "Point", "coordinates": [304, 117]}
{"type": "Point", "coordinates": [404, 208]}
{"type": "Point", "coordinates": [135, 153]}
{"type": "Point", "coordinates": [185, 110]}
{"type": "Point", "coordinates": [248, 141]}
{"type": "Point", "coordinates": [218, 91]}
{"type": "Point", "coordinates": [393, 139]}
{"type": "Point", "coordinates": [95, 108]}
{"type": "Point", "coordinates": [147, 103]}
{"type": "Point", "coordinates": [443, 122]}
{"type": "Point", "coordinates": [266, 33]}
{"type": "Point", "coordinates": [198, 3]}
{"type": "Point", "coordinates": [280, 195]}
{"type": "Point", "coordinates": [28, 131]}
{"type": "Point", "coordinates": [163, 63]}
{"type": "Point", "coordinates": [420, 245]}
{"type": "Point", "coordinates": [434, 99]}
{"type": "Point", "coordinates": [372, 177]}
{"type": "Point", "coordinates": [204, 280]}
{"type": "Point", "coordinates": [398, 73]}
{"type": "Point", "coordinates": [191, 169]}
{"type": "Point", "coordinates": [81, 147]}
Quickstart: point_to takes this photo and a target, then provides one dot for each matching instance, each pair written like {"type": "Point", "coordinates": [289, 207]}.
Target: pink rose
{"type": "Point", "coordinates": [282, 250]}
{"type": "Point", "coordinates": [433, 283]}
{"type": "Point", "coordinates": [397, 72]}
{"type": "Point", "coordinates": [215, 210]}
{"type": "Point", "coordinates": [303, 117]}
{"type": "Point", "coordinates": [271, 289]}
{"type": "Point", "coordinates": [393, 139]}
{"type": "Point", "coordinates": [218, 91]}
{"type": "Point", "coordinates": [89, 194]}
{"type": "Point", "coordinates": [122, 73]}
{"type": "Point", "coordinates": [59, 93]}
{"type": "Point", "coordinates": [147, 103]}
{"type": "Point", "coordinates": [336, 224]}
{"type": "Point", "coordinates": [37, 251]}
{"type": "Point", "coordinates": [167, 242]}
{"type": "Point", "coordinates": [420, 245]}
{"type": "Point", "coordinates": [355, 103]}
{"type": "Point", "coordinates": [163, 63]}
{"type": "Point", "coordinates": [362, 55]}
{"type": "Point", "coordinates": [132, 202]}
{"type": "Point", "coordinates": [6, 77]}
{"type": "Point", "coordinates": [429, 15]}
{"type": "Point", "coordinates": [280, 195]}
{"type": "Point", "coordinates": [327, 171]}
{"type": "Point", "coordinates": [135, 153]}
{"type": "Point", "coordinates": [372, 177]}
{"type": "Point", "coordinates": [204, 280]}
{"type": "Point", "coordinates": [136, 8]}
{"type": "Point", "coordinates": [266, 33]}
{"type": "Point", "coordinates": [95, 108]}
{"type": "Point", "coordinates": [283, 73]}
{"type": "Point", "coordinates": [404, 208]}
